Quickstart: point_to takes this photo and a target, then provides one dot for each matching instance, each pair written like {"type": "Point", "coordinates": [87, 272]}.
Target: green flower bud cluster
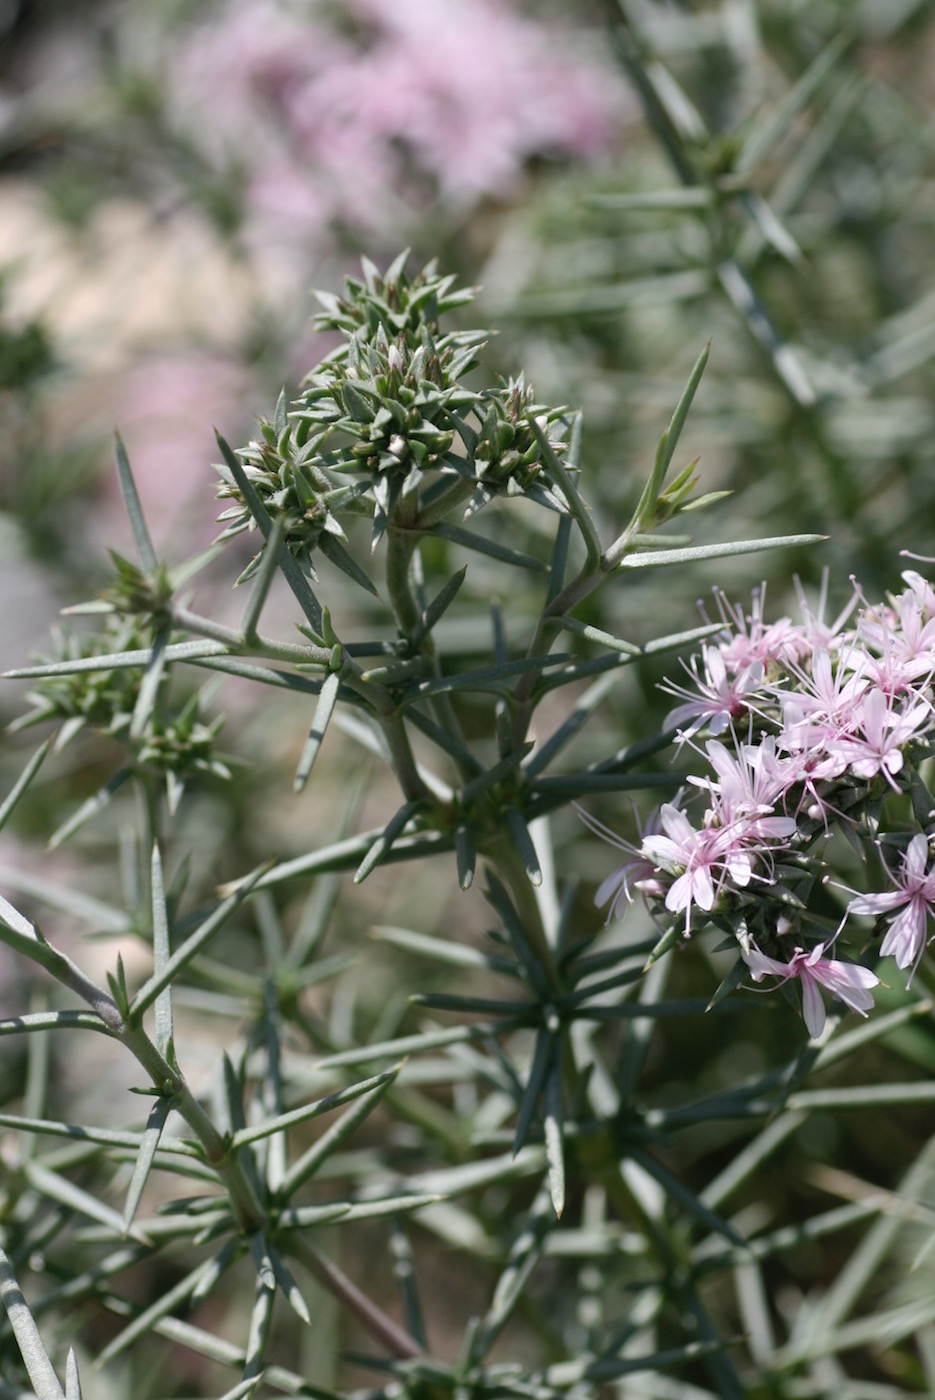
{"type": "Point", "coordinates": [507, 457]}
{"type": "Point", "coordinates": [134, 591]}
{"type": "Point", "coordinates": [101, 699]}
{"type": "Point", "coordinates": [168, 738]}
{"type": "Point", "coordinates": [291, 483]}
{"type": "Point", "coordinates": [389, 409]}
{"type": "Point", "coordinates": [180, 744]}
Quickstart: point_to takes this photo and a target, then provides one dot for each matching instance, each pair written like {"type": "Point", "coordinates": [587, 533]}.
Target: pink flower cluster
{"type": "Point", "coordinates": [822, 727]}
{"type": "Point", "coordinates": [364, 113]}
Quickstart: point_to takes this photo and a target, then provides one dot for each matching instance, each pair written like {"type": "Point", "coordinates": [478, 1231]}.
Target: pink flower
{"type": "Point", "coordinates": [921, 587]}
{"type": "Point", "coordinates": [905, 639]}
{"type": "Point", "coordinates": [847, 982]}
{"type": "Point", "coordinates": [701, 861]}
{"type": "Point", "coordinates": [638, 873]}
{"type": "Point", "coordinates": [882, 732]}
{"type": "Point", "coordinates": [811, 761]}
{"type": "Point", "coordinates": [815, 631]}
{"type": "Point", "coordinates": [915, 892]}
{"type": "Point", "coordinates": [720, 697]}
{"type": "Point", "coordinates": [753, 639]}
{"type": "Point", "coordinates": [749, 783]}
{"type": "Point", "coordinates": [830, 693]}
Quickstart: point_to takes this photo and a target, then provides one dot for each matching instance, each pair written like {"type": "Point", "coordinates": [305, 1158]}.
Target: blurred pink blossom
{"type": "Point", "coordinates": [441, 100]}
{"type": "Point", "coordinates": [166, 405]}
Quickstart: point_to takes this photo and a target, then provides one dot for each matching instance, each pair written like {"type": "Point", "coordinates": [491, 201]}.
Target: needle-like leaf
{"type": "Point", "coordinates": [72, 1379]}
{"type": "Point", "coordinates": [290, 567]}
{"type": "Point", "coordinates": [552, 1126]}
{"type": "Point", "coordinates": [149, 685]}
{"type": "Point", "coordinates": [260, 1320]}
{"type": "Point", "coordinates": [327, 700]}
{"type": "Point", "coordinates": [131, 500]}
{"type": "Point", "coordinates": [90, 808]}
{"type": "Point", "coordinates": [25, 778]}
{"type": "Point", "coordinates": [161, 953]}
{"type": "Point", "coordinates": [264, 577]}
{"type": "Point", "coordinates": [154, 1126]}
{"type": "Point", "coordinates": [146, 1320]}
{"type": "Point", "coordinates": [205, 931]}
{"type": "Point", "coordinates": [384, 842]}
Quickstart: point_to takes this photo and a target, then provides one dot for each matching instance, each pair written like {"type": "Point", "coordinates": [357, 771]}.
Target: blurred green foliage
{"type": "Point", "coordinates": [777, 200]}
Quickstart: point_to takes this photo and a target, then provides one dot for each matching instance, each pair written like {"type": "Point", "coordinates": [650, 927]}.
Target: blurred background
{"type": "Point", "coordinates": [625, 180]}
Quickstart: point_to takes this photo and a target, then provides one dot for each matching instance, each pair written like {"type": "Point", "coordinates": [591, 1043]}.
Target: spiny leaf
{"type": "Point", "coordinates": [482, 545]}
{"type": "Point", "coordinates": [260, 1321]}
{"type": "Point", "coordinates": [23, 781]}
{"type": "Point", "coordinates": [287, 1284]}
{"type": "Point", "coordinates": [89, 809]}
{"type": "Point", "coordinates": [215, 1268]}
{"type": "Point", "coordinates": [765, 134]}
{"type": "Point", "coordinates": [559, 561]}
{"type": "Point", "coordinates": [72, 1379]}
{"type": "Point", "coordinates": [269, 563]}
{"type": "Point", "coordinates": [58, 1188]}
{"type": "Point", "coordinates": [154, 1126]}
{"type": "Point", "coordinates": [511, 1285]}
{"type": "Point", "coordinates": [525, 846]}
{"type": "Point", "coordinates": [664, 558]}
{"type": "Point", "coordinates": [290, 567]}
{"type": "Point", "coordinates": [668, 940]}
{"type": "Point", "coordinates": [384, 842]}
{"type": "Point", "coordinates": [552, 1126]}
{"type": "Point", "coordinates": [485, 677]}
{"type": "Point", "coordinates": [282, 1121]}
{"type": "Point", "coordinates": [537, 1071]}
{"type": "Point", "coordinates": [131, 500]}
{"type": "Point", "coordinates": [327, 700]}
{"type": "Point", "coordinates": [694, 197]}
{"type": "Point", "coordinates": [334, 550]}
{"type": "Point", "coordinates": [194, 943]}
{"type": "Point", "coordinates": [465, 855]}
{"type": "Point", "coordinates": [148, 1318]}
{"type": "Point", "coordinates": [438, 606]}
{"type": "Point", "coordinates": [118, 660]}
{"type": "Point", "coordinates": [333, 1137]}
{"type": "Point", "coordinates": [561, 478]}
{"type": "Point", "coordinates": [42, 1376]}
{"type": "Point", "coordinates": [419, 1044]}
{"type": "Point", "coordinates": [161, 953]}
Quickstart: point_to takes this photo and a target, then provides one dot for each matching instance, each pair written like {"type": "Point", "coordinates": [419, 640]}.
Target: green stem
{"type": "Point", "coordinates": [261, 646]}
{"type": "Point", "coordinates": [400, 547]}
{"type": "Point", "coordinates": [402, 542]}
{"type": "Point", "coordinates": [548, 628]}
{"type": "Point", "coordinates": [460, 491]}
{"type": "Point", "coordinates": [403, 759]}
{"type": "Point", "coordinates": [377, 697]}
{"type": "Point", "coordinates": [247, 1210]}
{"type": "Point", "coordinates": [376, 1321]}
